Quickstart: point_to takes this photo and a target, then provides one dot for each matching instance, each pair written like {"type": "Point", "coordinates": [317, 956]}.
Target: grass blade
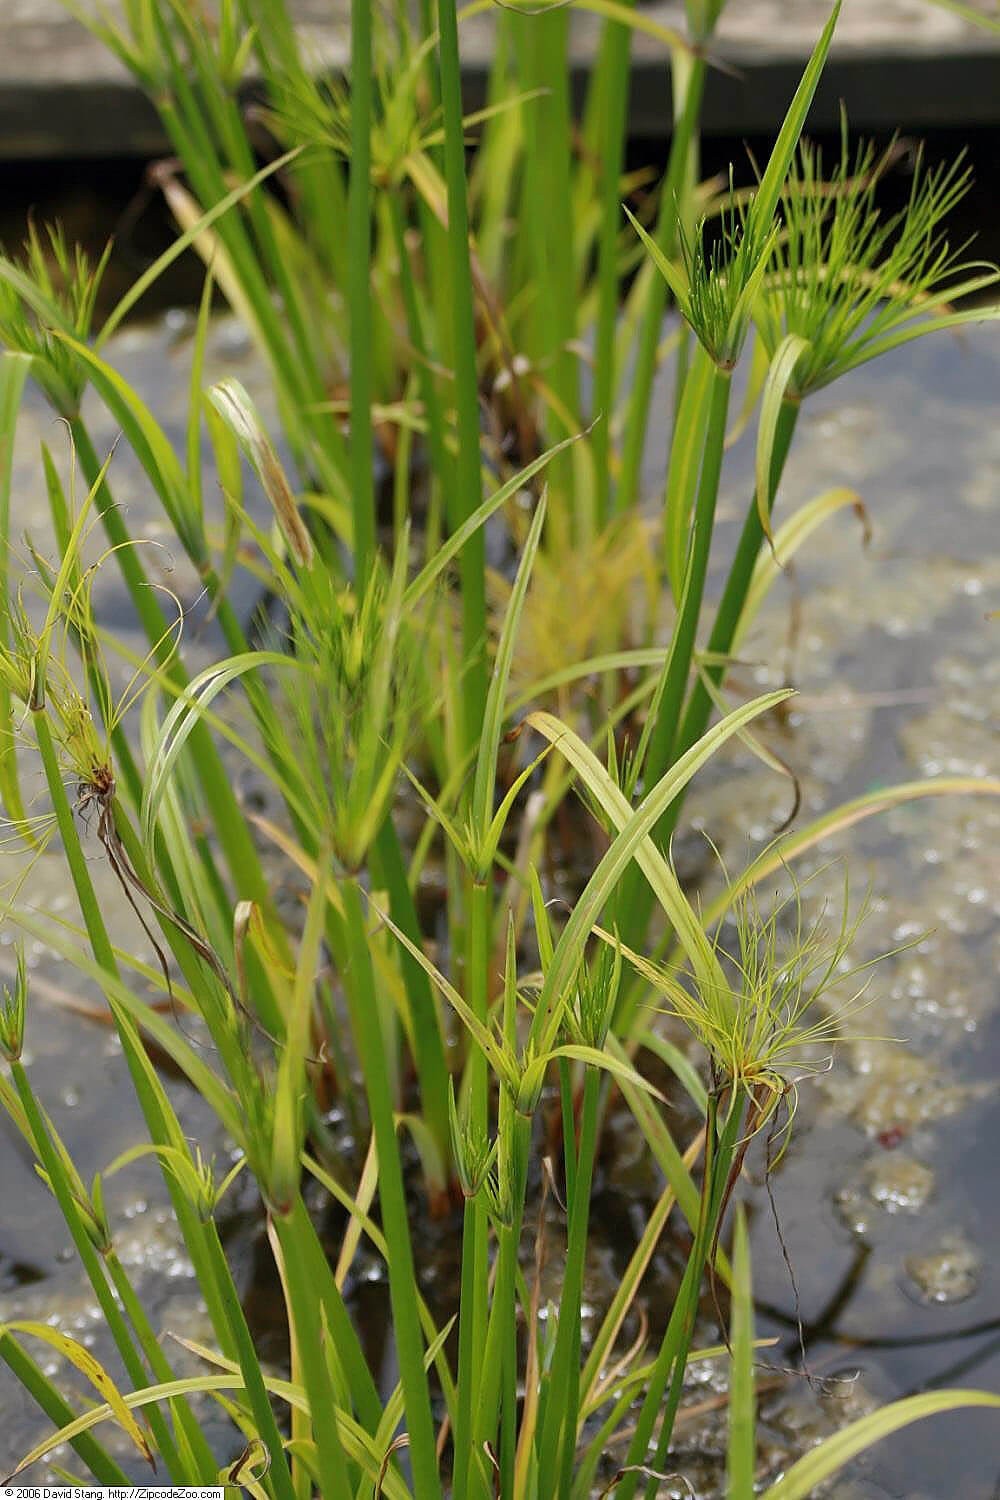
{"type": "Point", "coordinates": [801, 1480]}
{"type": "Point", "coordinates": [760, 216]}
{"type": "Point", "coordinates": [849, 813]}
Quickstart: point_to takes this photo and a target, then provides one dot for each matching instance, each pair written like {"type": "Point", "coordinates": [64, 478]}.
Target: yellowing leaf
{"type": "Point", "coordinates": [91, 1369]}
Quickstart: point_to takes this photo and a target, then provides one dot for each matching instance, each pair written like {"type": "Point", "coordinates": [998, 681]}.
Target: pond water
{"type": "Point", "coordinates": [887, 1198]}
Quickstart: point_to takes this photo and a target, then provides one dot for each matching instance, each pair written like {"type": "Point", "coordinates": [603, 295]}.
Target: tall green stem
{"type": "Point", "coordinates": [637, 902]}
{"type": "Point", "coordinates": [364, 1007]}
{"type": "Point", "coordinates": [335, 1479]}
{"type": "Point", "coordinates": [734, 594]}
{"type": "Point", "coordinates": [718, 1171]}
{"type": "Point", "coordinates": [651, 320]}
{"type": "Point", "coordinates": [615, 73]}
{"type": "Point", "coordinates": [544, 46]}
{"type": "Point", "coordinates": [558, 1421]}
{"type": "Point", "coordinates": [388, 869]}
{"type": "Point", "coordinates": [468, 492]}
{"type": "Point", "coordinates": [359, 290]}
{"type": "Point", "coordinates": [475, 1232]}
{"type": "Point", "coordinates": [311, 1255]}
{"type": "Point", "coordinates": [162, 1124]}
{"type": "Point", "coordinates": [635, 897]}
{"type": "Point", "coordinates": [52, 1165]}
{"type": "Point", "coordinates": [279, 1475]}
{"type": "Point", "coordinates": [660, 753]}
{"type": "Point", "coordinates": [474, 1259]}
{"type": "Point", "coordinates": [499, 1371]}
{"type": "Point", "coordinates": [194, 1438]}
{"type": "Point", "coordinates": [672, 1357]}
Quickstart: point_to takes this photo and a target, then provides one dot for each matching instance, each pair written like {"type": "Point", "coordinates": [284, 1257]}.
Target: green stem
{"type": "Point", "coordinates": [359, 290]}
{"type": "Point", "coordinates": [718, 1177]}
{"type": "Point", "coordinates": [279, 1476]}
{"type": "Point", "coordinates": [498, 1387]}
{"type": "Point", "coordinates": [306, 1320]}
{"type": "Point", "coordinates": [671, 1359]}
{"type": "Point", "coordinates": [162, 1124]}
{"type": "Point", "coordinates": [343, 1336]}
{"type": "Point", "coordinates": [442, 464]}
{"type": "Point", "coordinates": [637, 897]}
{"type": "Point", "coordinates": [615, 48]}
{"type": "Point", "coordinates": [205, 1465]}
{"type": "Point", "coordinates": [558, 1420]}
{"type": "Point", "coordinates": [547, 37]}
{"type": "Point", "coordinates": [660, 752]}
{"type": "Point", "coordinates": [464, 1462]}
{"type": "Point", "coordinates": [568, 1126]}
{"type": "Point", "coordinates": [85, 894]}
{"type": "Point", "coordinates": [234, 835]}
{"type": "Point", "coordinates": [363, 1004]}
{"type": "Point", "coordinates": [651, 320]}
{"type": "Point", "coordinates": [50, 1161]}
{"type": "Point", "coordinates": [388, 871]}
{"type": "Point", "coordinates": [468, 491]}
{"type": "Point", "coordinates": [734, 594]}
{"type": "Point", "coordinates": [475, 1244]}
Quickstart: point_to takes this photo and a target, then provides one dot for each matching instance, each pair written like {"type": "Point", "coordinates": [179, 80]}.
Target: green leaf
{"type": "Point", "coordinates": [910, 331]}
{"type": "Point", "coordinates": [487, 850]}
{"type": "Point", "coordinates": [139, 287]}
{"type": "Point", "coordinates": [452, 546]}
{"type": "Point", "coordinates": [185, 715]}
{"type": "Point", "coordinates": [496, 1055]}
{"type": "Point", "coordinates": [150, 444]}
{"type": "Point", "coordinates": [971, 14]}
{"type": "Point", "coordinates": [622, 1071]}
{"type": "Point", "coordinates": [801, 1480]}
{"type": "Point", "coordinates": [779, 854]}
{"type": "Point", "coordinates": [44, 1393]}
{"type": "Point", "coordinates": [760, 215]}
{"type": "Point", "coordinates": [672, 273]}
{"type": "Point", "coordinates": [633, 842]}
{"type": "Point", "coordinates": [680, 1065]}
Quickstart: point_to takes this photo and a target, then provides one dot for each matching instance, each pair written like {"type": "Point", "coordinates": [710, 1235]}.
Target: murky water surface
{"type": "Point", "coordinates": [887, 1199]}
